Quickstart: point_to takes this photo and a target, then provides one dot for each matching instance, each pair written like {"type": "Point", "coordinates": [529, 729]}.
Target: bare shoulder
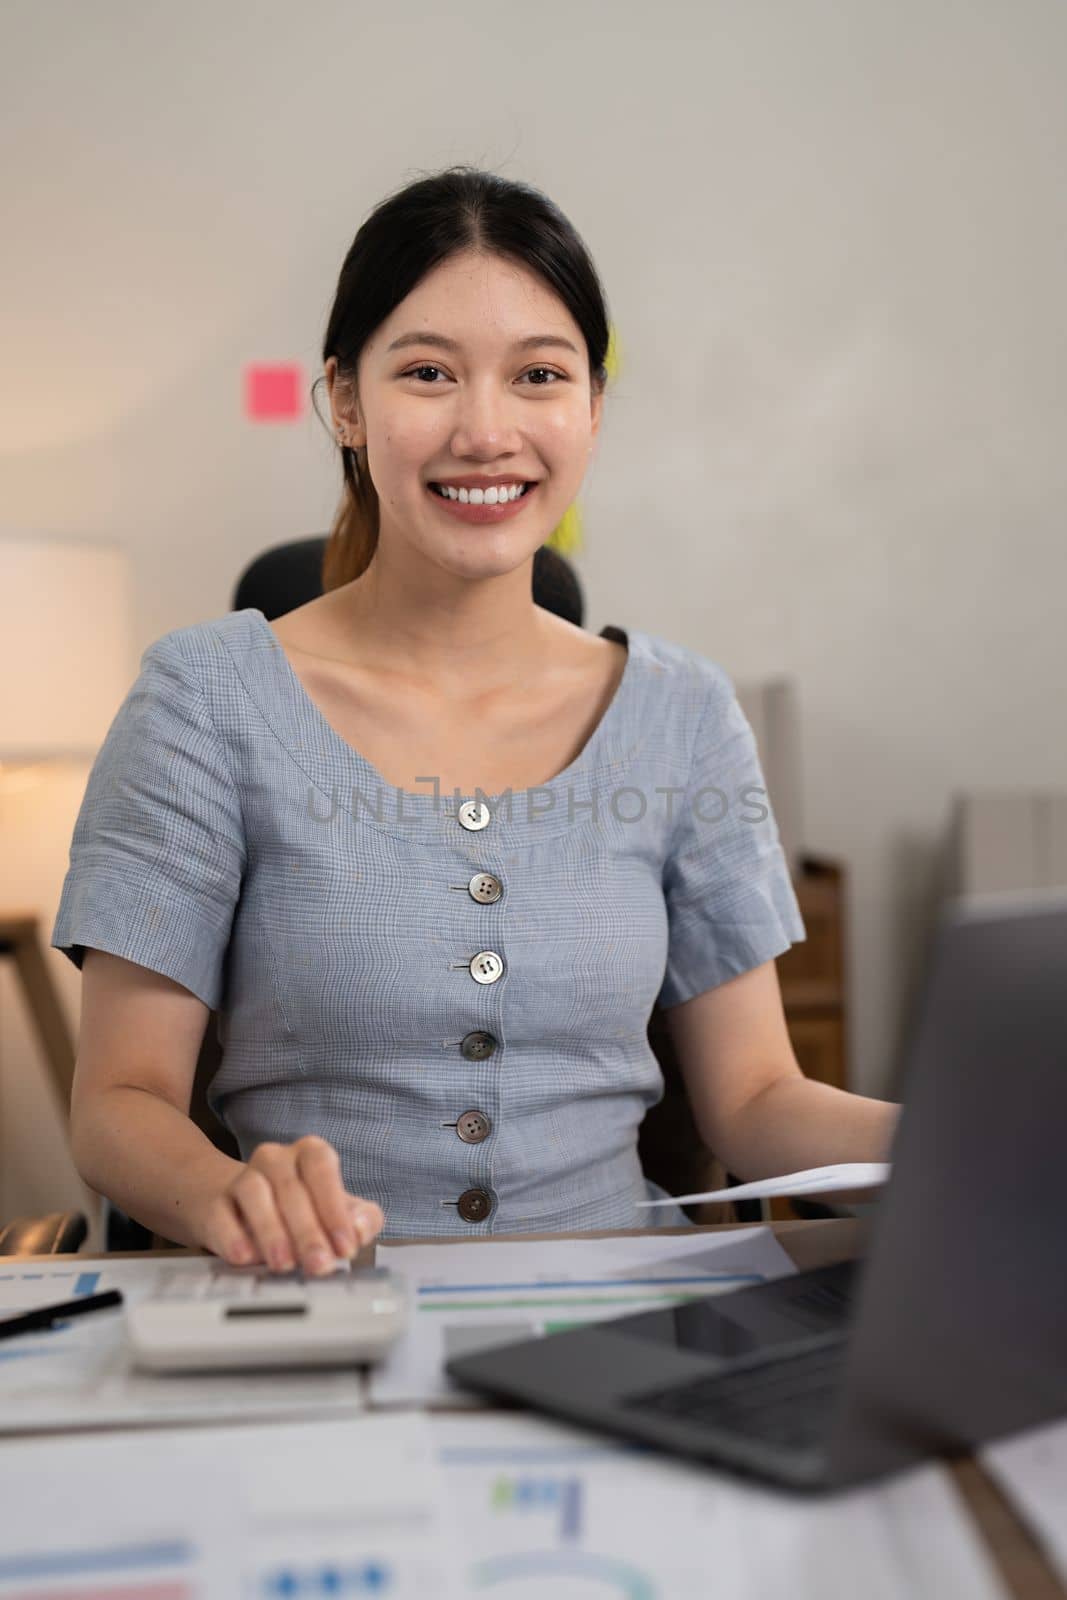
{"type": "Point", "coordinates": [585, 654]}
{"type": "Point", "coordinates": [313, 628]}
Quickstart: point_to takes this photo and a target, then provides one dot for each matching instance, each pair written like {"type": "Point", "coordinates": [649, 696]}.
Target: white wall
{"type": "Point", "coordinates": [833, 238]}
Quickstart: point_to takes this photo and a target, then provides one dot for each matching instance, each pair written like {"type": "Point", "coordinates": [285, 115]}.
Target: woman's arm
{"type": "Point", "coordinates": [131, 1136]}
{"type": "Point", "coordinates": [752, 1104]}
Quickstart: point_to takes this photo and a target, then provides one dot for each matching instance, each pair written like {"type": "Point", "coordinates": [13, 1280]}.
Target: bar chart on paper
{"type": "Point", "coordinates": [550, 1510]}
{"type": "Point", "coordinates": [129, 1569]}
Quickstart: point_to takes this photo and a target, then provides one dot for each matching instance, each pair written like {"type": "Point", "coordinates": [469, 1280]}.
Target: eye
{"type": "Point", "coordinates": [550, 372]}
{"type": "Point", "coordinates": [430, 367]}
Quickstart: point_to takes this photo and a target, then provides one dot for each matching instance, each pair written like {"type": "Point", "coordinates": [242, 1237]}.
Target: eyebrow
{"type": "Point", "coordinates": [531, 342]}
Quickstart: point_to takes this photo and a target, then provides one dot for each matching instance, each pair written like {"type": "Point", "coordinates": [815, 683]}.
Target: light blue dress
{"type": "Point", "coordinates": [454, 990]}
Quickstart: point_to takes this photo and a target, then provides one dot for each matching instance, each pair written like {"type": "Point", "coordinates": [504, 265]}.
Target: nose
{"type": "Point", "coordinates": [485, 424]}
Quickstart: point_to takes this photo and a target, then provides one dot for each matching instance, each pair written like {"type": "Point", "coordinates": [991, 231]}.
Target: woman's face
{"type": "Point", "coordinates": [508, 397]}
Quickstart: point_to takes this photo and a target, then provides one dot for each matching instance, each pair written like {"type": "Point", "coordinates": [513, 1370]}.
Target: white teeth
{"type": "Point", "coordinates": [479, 497]}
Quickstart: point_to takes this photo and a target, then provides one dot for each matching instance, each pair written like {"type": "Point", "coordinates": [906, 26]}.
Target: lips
{"type": "Point", "coordinates": [501, 511]}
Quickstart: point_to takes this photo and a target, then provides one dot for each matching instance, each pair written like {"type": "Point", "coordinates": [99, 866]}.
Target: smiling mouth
{"type": "Point", "coordinates": [478, 497]}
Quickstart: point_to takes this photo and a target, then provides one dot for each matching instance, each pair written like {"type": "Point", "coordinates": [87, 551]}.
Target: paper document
{"type": "Point", "coordinates": [411, 1507]}
{"type": "Point", "coordinates": [814, 1180]}
{"type": "Point", "coordinates": [79, 1374]}
{"type": "Point", "coordinates": [353, 1507]}
{"type": "Point", "coordinates": [547, 1510]}
{"type": "Point", "coordinates": [1031, 1470]}
{"type": "Point", "coordinates": [472, 1296]}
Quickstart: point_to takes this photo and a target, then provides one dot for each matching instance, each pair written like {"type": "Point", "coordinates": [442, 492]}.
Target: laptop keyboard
{"type": "Point", "coordinates": [784, 1400]}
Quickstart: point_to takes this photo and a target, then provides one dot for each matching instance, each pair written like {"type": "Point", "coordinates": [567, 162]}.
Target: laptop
{"type": "Point", "coordinates": [950, 1329]}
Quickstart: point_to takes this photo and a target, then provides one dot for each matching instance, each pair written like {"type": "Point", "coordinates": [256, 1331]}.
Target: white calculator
{"type": "Point", "coordinates": [240, 1317]}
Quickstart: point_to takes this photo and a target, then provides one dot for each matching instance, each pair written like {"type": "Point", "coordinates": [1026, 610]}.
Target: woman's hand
{"type": "Point", "coordinates": [286, 1205]}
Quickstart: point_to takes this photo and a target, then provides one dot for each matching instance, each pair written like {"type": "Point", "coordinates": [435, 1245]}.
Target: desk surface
{"type": "Point", "coordinates": [1018, 1558]}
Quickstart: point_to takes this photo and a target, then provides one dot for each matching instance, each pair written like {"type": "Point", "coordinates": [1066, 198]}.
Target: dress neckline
{"type": "Point", "coordinates": [594, 756]}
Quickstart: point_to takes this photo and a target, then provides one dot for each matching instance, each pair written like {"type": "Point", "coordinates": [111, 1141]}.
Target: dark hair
{"type": "Point", "coordinates": [404, 238]}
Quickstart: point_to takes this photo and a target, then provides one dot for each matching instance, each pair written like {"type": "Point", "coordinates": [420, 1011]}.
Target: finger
{"type": "Point", "coordinates": [226, 1236]}
{"type": "Point", "coordinates": [311, 1246]}
{"type": "Point", "coordinates": [254, 1193]}
{"type": "Point", "coordinates": [319, 1167]}
{"type": "Point", "coordinates": [367, 1218]}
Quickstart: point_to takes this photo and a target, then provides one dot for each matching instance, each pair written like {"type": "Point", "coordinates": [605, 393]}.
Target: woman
{"type": "Point", "coordinates": [432, 852]}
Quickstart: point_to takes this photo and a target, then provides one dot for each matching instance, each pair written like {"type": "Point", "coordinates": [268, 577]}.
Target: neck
{"type": "Point", "coordinates": [460, 634]}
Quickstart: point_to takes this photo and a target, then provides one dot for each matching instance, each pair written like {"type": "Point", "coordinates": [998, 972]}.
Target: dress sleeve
{"type": "Point", "coordinates": [158, 850]}
{"type": "Point", "coordinates": [730, 899]}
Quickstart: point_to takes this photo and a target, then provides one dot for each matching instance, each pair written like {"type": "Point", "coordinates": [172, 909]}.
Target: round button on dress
{"type": "Point", "coordinates": [486, 967]}
{"type": "Point", "coordinates": [473, 1127]}
{"type": "Point", "coordinates": [473, 814]}
{"type": "Point", "coordinates": [485, 888]}
{"type": "Point", "coordinates": [477, 1046]}
{"type": "Point", "coordinates": [474, 1205]}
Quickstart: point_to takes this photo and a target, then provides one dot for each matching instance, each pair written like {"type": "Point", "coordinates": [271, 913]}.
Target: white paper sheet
{"type": "Point", "coordinates": [80, 1375]}
{"type": "Point", "coordinates": [416, 1507]}
{"type": "Point", "coordinates": [474, 1296]}
{"type": "Point", "coordinates": [1031, 1469]}
{"type": "Point", "coordinates": [553, 1511]}
{"type": "Point", "coordinates": [813, 1180]}
{"type": "Point", "coordinates": [350, 1507]}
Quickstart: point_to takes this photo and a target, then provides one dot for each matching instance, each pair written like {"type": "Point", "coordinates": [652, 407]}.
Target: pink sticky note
{"type": "Point", "coordinates": [273, 389]}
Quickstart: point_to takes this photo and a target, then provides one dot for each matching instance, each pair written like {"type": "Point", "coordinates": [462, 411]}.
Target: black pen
{"type": "Point", "coordinates": [45, 1316]}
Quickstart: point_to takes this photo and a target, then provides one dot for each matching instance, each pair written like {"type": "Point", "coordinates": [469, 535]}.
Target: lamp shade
{"type": "Point", "coordinates": [65, 644]}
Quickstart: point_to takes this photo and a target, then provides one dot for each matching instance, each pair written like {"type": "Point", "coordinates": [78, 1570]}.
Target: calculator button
{"type": "Point", "coordinates": [220, 1287]}
{"type": "Point", "coordinates": [287, 1286]}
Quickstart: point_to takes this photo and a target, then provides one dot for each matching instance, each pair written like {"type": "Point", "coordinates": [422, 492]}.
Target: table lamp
{"type": "Point", "coordinates": [65, 662]}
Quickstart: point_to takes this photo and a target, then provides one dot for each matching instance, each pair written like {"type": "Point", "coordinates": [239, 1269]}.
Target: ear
{"type": "Point", "coordinates": [345, 415]}
{"type": "Point", "coordinates": [331, 380]}
{"type": "Point", "coordinates": [596, 411]}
